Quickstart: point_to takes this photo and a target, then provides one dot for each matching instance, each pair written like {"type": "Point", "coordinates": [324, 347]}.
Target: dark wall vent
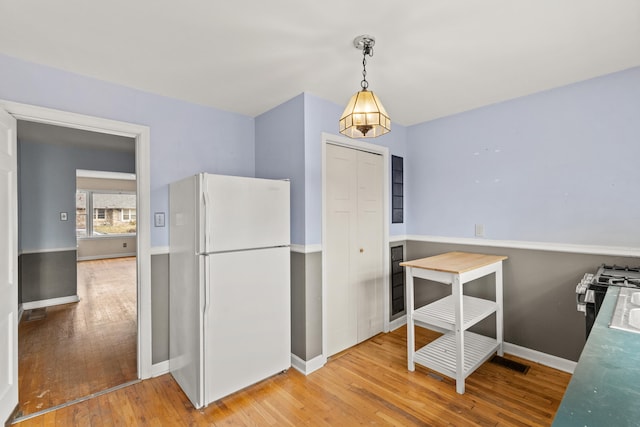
{"type": "Point", "coordinates": [397, 189]}
{"type": "Point", "coordinates": [397, 280]}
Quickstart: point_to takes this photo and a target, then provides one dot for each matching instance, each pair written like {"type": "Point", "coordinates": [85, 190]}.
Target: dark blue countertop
{"type": "Point", "coordinates": [605, 386]}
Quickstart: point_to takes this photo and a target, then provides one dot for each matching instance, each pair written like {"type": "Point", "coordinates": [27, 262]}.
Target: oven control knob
{"type": "Point", "coordinates": [581, 288]}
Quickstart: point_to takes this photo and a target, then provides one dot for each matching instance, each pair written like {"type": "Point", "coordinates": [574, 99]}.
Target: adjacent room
{"type": "Point", "coordinates": [78, 292]}
{"type": "Point", "coordinates": [320, 213]}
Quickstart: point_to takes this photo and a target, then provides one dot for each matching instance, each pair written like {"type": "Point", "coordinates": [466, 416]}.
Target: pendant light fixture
{"type": "Point", "coordinates": [364, 117]}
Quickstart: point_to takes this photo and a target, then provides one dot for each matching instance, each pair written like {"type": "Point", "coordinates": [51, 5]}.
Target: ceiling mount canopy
{"type": "Point", "coordinates": [364, 116]}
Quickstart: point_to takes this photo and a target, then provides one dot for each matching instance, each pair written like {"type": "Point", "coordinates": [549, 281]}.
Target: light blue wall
{"type": "Point", "coordinates": [322, 116]}
{"type": "Point", "coordinates": [280, 154]}
{"type": "Point", "coordinates": [528, 169]}
{"type": "Point", "coordinates": [48, 187]}
{"type": "Point", "coordinates": [185, 138]}
{"type": "Point", "coordinates": [557, 166]}
{"type": "Point", "coordinates": [288, 143]}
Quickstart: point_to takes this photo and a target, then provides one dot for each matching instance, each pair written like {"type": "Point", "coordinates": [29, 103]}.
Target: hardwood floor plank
{"type": "Point", "coordinates": [95, 413]}
{"type": "Point", "coordinates": [48, 420]}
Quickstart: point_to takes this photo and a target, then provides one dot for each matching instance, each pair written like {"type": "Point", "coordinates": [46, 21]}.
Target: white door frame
{"type": "Point", "coordinates": [141, 134]}
{"type": "Point", "coordinates": [356, 144]}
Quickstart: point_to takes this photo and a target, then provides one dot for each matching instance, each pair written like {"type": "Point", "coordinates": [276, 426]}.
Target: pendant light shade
{"type": "Point", "coordinates": [364, 116]}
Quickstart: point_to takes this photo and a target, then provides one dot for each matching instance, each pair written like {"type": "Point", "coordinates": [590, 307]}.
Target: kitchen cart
{"type": "Point", "coordinates": [458, 352]}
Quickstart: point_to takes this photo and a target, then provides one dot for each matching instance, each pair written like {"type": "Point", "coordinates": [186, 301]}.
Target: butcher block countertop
{"type": "Point", "coordinates": [454, 262]}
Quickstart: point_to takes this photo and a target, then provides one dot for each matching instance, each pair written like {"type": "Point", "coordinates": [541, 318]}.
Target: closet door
{"type": "Point", "coordinates": [369, 256]}
{"type": "Point", "coordinates": [8, 267]}
{"type": "Point", "coordinates": [341, 233]}
{"type": "Point", "coordinates": [353, 247]}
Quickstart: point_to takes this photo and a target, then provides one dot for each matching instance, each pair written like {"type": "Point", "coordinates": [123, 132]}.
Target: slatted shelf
{"type": "Point", "coordinates": [441, 313]}
{"type": "Point", "coordinates": [440, 355]}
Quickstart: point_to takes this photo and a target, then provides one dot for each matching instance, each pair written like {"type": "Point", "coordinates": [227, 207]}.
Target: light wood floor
{"type": "Point", "coordinates": [85, 347]}
{"type": "Point", "coordinates": [365, 385]}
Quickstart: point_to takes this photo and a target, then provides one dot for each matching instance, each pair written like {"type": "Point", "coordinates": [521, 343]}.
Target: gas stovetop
{"type": "Point", "coordinates": [614, 275]}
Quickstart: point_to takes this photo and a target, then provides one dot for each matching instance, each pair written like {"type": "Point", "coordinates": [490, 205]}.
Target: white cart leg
{"type": "Point", "coordinates": [457, 298]}
{"type": "Point", "coordinates": [411, 345]}
{"type": "Point", "coordinates": [499, 315]}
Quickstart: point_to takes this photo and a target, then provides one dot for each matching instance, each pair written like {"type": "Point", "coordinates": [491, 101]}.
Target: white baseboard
{"type": "Point", "coordinates": [160, 368]}
{"type": "Point", "coordinates": [549, 360]}
{"type": "Point", "coordinates": [49, 302]}
{"type": "Point", "coordinates": [398, 323]}
{"type": "Point", "coordinates": [307, 367]}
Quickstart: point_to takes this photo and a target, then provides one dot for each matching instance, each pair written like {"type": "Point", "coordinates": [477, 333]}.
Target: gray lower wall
{"type": "Point", "coordinates": [539, 297]}
{"type": "Point", "coordinates": [298, 305]}
{"type": "Point", "coordinates": [539, 294]}
{"type": "Point", "coordinates": [47, 275]}
{"type": "Point", "coordinates": [159, 308]}
{"type": "Point", "coordinates": [313, 304]}
{"type": "Point", "coordinates": [306, 305]}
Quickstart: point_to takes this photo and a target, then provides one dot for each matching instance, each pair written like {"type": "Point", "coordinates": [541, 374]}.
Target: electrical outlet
{"type": "Point", "coordinates": [479, 230]}
{"type": "Point", "coordinates": [124, 245]}
{"type": "Point", "coordinates": [63, 216]}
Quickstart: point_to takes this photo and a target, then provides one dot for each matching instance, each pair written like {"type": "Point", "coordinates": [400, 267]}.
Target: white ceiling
{"type": "Point", "coordinates": [432, 58]}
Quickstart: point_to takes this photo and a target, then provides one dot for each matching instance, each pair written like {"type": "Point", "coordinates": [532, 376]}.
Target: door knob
{"type": "Point", "coordinates": [361, 250]}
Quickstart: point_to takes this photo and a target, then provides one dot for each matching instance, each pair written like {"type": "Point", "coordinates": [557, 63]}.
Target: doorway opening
{"type": "Point", "coordinates": [139, 134]}
{"type": "Point", "coordinates": [78, 332]}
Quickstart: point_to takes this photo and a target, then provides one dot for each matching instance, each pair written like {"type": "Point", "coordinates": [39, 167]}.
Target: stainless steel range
{"type": "Point", "coordinates": [592, 288]}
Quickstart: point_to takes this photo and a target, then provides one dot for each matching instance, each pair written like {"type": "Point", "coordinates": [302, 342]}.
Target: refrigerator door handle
{"type": "Point", "coordinates": [207, 278]}
{"type": "Point", "coordinates": [207, 226]}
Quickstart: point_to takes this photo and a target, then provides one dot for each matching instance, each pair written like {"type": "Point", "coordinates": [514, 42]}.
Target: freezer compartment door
{"type": "Point", "coordinates": [244, 213]}
{"type": "Point", "coordinates": [248, 321]}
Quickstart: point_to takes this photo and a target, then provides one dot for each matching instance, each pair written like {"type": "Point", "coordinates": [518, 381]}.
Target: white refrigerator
{"type": "Point", "coordinates": [229, 292]}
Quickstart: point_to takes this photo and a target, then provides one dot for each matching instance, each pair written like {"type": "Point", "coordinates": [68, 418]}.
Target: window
{"type": "Point", "coordinates": [128, 215]}
{"type": "Point", "coordinates": [81, 213]}
{"type": "Point", "coordinates": [114, 213]}
{"type": "Point", "coordinates": [99, 214]}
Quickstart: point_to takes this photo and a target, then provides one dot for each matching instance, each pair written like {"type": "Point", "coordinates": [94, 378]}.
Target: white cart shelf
{"type": "Point", "coordinates": [458, 352]}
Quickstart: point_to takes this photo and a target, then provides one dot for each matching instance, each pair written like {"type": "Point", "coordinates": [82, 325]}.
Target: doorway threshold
{"type": "Point", "coordinates": [20, 418]}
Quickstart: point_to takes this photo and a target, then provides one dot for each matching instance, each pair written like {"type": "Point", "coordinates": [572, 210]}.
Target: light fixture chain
{"type": "Point", "coordinates": [367, 49]}
{"type": "Point", "coordinates": [364, 83]}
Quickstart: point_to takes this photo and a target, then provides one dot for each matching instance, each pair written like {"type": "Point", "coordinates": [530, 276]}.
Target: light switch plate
{"type": "Point", "coordinates": [63, 216]}
{"type": "Point", "coordinates": [158, 219]}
